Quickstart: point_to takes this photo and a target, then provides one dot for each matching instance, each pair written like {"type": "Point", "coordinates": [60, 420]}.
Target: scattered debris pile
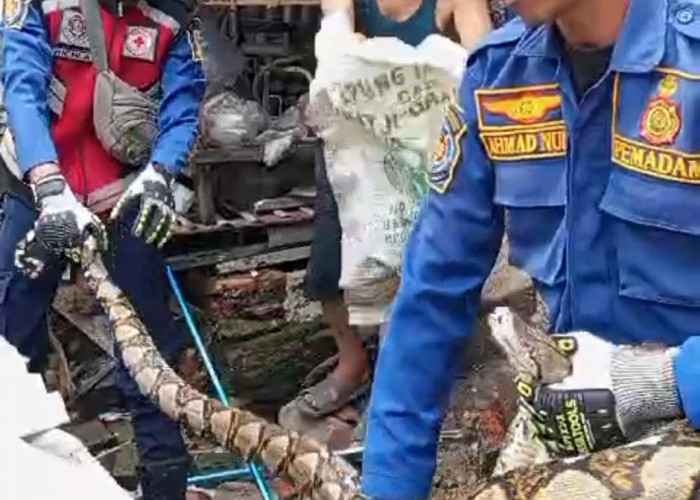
{"type": "Point", "coordinates": [265, 334]}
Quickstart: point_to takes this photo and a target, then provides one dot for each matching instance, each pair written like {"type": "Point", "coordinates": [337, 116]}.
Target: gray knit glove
{"type": "Point", "coordinates": [610, 396]}
{"type": "Point", "coordinates": [644, 386]}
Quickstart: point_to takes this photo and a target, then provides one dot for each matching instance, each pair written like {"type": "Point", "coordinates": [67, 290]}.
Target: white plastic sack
{"type": "Point", "coordinates": [378, 105]}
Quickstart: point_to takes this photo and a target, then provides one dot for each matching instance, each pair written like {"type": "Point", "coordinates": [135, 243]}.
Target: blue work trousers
{"type": "Point", "coordinates": [138, 269]}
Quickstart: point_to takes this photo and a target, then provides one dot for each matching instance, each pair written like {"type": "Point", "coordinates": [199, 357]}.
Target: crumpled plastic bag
{"type": "Point", "coordinates": [284, 131]}
{"type": "Point", "coordinates": [378, 106]}
{"type": "Point", "coordinates": [227, 120]}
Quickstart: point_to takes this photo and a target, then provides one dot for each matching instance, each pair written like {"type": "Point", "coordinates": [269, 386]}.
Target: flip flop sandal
{"type": "Point", "coordinates": [328, 396]}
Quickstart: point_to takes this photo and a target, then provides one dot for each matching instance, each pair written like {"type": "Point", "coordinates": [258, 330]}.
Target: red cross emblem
{"type": "Point", "coordinates": [139, 42]}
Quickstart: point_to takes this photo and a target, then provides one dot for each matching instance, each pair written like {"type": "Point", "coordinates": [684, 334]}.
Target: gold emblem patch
{"type": "Point", "coordinates": [661, 121]}
{"type": "Point", "coordinates": [668, 86]}
{"type": "Point", "coordinates": [14, 13]}
{"type": "Point", "coordinates": [526, 109]}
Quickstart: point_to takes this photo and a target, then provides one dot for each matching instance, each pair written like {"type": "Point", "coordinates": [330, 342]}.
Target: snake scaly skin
{"type": "Point", "coordinates": [665, 466]}
{"type": "Point", "coordinates": [308, 464]}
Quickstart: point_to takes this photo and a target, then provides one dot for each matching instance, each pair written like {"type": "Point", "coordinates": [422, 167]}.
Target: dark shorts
{"type": "Point", "coordinates": [323, 269]}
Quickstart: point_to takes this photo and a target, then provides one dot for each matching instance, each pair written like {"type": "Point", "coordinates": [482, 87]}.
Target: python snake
{"type": "Point", "coordinates": [316, 472]}
{"type": "Point", "coordinates": [662, 467]}
{"type": "Point", "coordinates": [663, 464]}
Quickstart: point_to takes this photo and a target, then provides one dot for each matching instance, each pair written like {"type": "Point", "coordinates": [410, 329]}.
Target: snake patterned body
{"type": "Point", "coordinates": [662, 467]}
{"type": "Point", "coordinates": [313, 469]}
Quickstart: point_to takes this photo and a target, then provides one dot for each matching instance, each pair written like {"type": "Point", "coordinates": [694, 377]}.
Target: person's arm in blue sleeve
{"type": "Point", "coordinates": [687, 369]}
{"type": "Point", "coordinates": [449, 255]}
{"type": "Point", "coordinates": [183, 88]}
{"type": "Point", "coordinates": [27, 69]}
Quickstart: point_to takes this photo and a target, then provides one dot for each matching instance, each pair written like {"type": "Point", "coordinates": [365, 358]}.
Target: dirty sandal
{"type": "Point", "coordinates": [328, 396]}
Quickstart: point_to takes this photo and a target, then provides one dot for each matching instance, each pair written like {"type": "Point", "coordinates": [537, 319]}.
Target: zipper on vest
{"type": "Point", "coordinates": [86, 193]}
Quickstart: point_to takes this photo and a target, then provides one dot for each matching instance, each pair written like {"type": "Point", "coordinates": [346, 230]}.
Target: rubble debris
{"type": "Point", "coordinates": [245, 329]}
{"type": "Point", "coordinates": [297, 306]}
{"type": "Point", "coordinates": [63, 379]}
{"type": "Point", "coordinates": [267, 370]}
{"type": "Point", "coordinates": [336, 430]}
{"type": "Point", "coordinates": [483, 403]}
{"type": "Point", "coordinates": [80, 308]}
{"type": "Point", "coordinates": [256, 295]}
{"type": "Point", "coordinates": [246, 283]}
{"type": "Point", "coordinates": [94, 435]}
{"type": "Point", "coordinates": [104, 371]}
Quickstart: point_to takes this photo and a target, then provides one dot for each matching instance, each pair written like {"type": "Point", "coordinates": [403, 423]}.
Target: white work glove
{"type": "Point", "coordinates": [155, 221]}
{"type": "Point", "coordinates": [60, 229]}
{"type": "Point", "coordinates": [611, 392]}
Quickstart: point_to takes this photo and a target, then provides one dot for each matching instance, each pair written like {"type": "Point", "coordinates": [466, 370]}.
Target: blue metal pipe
{"type": "Point", "coordinates": [224, 475]}
{"type": "Point", "coordinates": [197, 337]}
{"type": "Point", "coordinates": [252, 469]}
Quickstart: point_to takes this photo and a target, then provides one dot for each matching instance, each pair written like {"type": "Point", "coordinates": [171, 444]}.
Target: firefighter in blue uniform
{"type": "Point", "coordinates": [576, 134]}
{"type": "Point", "coordinates": [49, 84]}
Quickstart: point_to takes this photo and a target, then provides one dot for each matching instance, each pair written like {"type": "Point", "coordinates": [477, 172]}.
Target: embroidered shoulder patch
{"type": "Point", "coordinates": [525, 109]}
{"type": "Point", "coordinates": [194, 38]}
{"type": "Point", "coordinates": [14, 13]}
{"type": "Point", "coordinates": [448, 151]}
{"type": "Point", "coordinates": [73, 41]}
{"type": "Point", "coordinates": [521, 123]}
{"type": "Point", "coordinates": [141, 43]}
{"type": "Point", "coordinates": [519, 106]}
{"type": "Point", "coordinates": [661, 120]}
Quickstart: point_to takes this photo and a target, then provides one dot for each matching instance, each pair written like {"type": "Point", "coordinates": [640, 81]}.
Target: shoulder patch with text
{"type": "Point", "coordinates": [448, 151]}
{"type": "Point", "coordinates": [521, 123]}
{"type": "Point", "coordinates": [72, 40]}
{"type": "Point", "coordinates": [649, 133]}
{"type": "Point", "coordinates": [194, 38]}
{"type": "Point", "coordinates": [14, 13]}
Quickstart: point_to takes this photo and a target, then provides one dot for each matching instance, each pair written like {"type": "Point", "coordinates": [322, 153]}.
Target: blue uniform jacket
{"type": "Point", "coordinates": [28, 65]}
{"type": "Point", "coordinates": [600, 201]}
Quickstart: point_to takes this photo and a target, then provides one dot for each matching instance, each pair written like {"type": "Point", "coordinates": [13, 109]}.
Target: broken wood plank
{"type": "Point", "coordinates": [285, 236]}
{"type": "Point", "coordinates": [213, 257]}
{"type": "Point", "coordinates": [247, 283]}
{"type": "Point", "coordinates": [273, 204]}
{"type": "Point", "coordinates": [264, 259]}
{"type": "Point", "coordinates": [94, 327]}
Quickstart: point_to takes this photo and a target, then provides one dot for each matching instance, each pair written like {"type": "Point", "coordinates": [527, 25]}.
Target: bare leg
{"type": "Point", "coordinates": [353, 365]}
